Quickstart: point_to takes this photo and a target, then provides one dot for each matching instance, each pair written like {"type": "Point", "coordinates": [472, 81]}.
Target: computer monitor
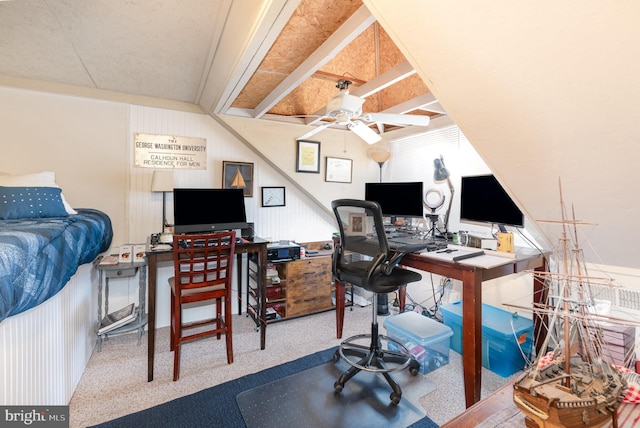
{"type": "Point", "coordinates": [208, 210]}
{"type": "Point", "coordinates": [484, 200]}
{"type": "Point", "coordinates": [401, 199]}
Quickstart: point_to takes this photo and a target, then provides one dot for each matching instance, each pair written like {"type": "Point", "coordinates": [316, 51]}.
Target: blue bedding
{"type": "Point", "coordinates": [38, 256]}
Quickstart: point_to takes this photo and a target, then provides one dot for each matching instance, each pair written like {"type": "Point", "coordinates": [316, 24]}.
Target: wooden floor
{"type": "Point", "coordinates": [484, 409]}
{"type": "Point", "coordinates": [502, 399]}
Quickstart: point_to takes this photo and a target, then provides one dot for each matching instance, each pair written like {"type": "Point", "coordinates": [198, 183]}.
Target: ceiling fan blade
{"type": "Point", "coordinates": [397, 119]}
{"type": "Point", "coordinates": [315, 130]}
{"type": "Point", "coordinates": [364, 132]}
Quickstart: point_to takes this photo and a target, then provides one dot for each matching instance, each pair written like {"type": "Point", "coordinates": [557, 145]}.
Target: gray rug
{"type": "Point", "coordinates": [307, 399]}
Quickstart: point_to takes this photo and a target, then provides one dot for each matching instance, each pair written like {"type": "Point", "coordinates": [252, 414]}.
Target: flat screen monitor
{"type": "Point", "coordinates": [208, 210]}
{"type": "Point", "coordinates": [483, 199]}
{"type": "Point", "coordinates": [402, 199]}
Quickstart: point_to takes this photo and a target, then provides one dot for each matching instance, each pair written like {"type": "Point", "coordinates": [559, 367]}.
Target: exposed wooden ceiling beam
{"type": "Point", "coordinates": [336, 77]}
{"type": "Point", "coordinates": [352, 27]}
{"type": "Point", "coordinates": [416, 103]}
{"type": "Point", "coordinates": [378, 83]}
{"type": "Point", "coordinates": [272, 21]}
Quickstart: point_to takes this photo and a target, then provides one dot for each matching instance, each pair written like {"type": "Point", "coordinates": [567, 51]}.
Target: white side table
{"type": "Point", "coordinates": [122, 270]}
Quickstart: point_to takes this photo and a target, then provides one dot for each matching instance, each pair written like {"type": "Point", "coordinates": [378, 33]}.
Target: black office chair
{"type": "Point", "coordinates": [363, 258]}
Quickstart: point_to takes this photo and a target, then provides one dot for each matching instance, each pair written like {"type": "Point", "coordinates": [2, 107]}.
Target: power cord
{"type": "Point", "coordinates": [432, 312]}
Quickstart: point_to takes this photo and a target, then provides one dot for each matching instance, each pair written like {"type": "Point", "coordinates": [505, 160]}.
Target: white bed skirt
{"type": "Point", "coordinates": [44, 351]}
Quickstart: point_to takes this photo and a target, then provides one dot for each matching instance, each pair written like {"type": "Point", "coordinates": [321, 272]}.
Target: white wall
{"type": "Point", "coordinates": [543, 90]}
{"type": "Point", "coordinates": [412, 159]}
{"type": "Point", "coordinates": [81, 140]}
{"type": "Point", "coordinates": [89, 145]}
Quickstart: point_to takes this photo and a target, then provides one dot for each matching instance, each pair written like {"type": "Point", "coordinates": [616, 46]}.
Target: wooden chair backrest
{"type": "Point", "coordinates": [203, 260]}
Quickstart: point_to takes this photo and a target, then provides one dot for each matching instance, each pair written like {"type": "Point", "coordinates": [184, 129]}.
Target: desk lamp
{"type": "Point", "coordinates": [164, 182]}
{"type": "Point", "coordinates": [440, 174]}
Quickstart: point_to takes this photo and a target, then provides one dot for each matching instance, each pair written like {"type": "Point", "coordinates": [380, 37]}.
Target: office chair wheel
{"type": "Point", "coordinates": [414, 367]}
{"type": "Point", "coordinates": [395, 398]}
{"type": "Point", "coordinates": [338, 387]}
{"type": "Point", "coordinates": [336, 356]}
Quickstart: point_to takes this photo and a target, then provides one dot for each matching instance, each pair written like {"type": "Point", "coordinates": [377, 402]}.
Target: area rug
{"type": "Point", "coordinates": [217, 407]}
{"type": "Point", "coordinates": [306, 399]}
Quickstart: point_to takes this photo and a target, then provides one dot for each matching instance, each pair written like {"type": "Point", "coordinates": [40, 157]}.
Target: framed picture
{"type": "Point", "coordinates": [308, 156]}
{"type": "Point", "coordinates": [238, 175]}
{"type": "Point", "coordinates": [357, 224]}
{"type": "Point", "coordinates": [273, 197]}
{"type": "Point", "coordinates": [338, 170]}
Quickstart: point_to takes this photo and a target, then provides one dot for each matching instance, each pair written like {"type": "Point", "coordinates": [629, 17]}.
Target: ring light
{"type": "Point", "coordinates": [433, 198]}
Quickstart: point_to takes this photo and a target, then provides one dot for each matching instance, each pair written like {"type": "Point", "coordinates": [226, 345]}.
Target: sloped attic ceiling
{"type": "Point", "coordinates": [278, 60]}
{"type": "Point", "coordinates": [546, 91]}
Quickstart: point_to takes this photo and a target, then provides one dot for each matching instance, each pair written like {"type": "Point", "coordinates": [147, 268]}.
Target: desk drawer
{"type": "Point", "coordinates": [120, 273]}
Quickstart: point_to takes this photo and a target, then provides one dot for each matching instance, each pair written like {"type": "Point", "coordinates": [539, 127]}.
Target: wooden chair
{"type": "Point", "coordinates": [203, 267]}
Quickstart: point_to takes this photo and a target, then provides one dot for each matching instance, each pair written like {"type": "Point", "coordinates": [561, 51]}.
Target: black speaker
{"type": "Point", "coordinates": [247, 233]}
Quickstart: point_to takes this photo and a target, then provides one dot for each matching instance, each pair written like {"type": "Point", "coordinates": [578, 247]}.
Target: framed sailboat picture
{"type": "Point", "coordinates": [238, 175]}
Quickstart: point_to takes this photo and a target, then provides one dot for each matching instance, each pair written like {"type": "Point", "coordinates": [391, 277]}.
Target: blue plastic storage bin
{"type": "Point", "coordinates": [427, 340]}
{"type": "Point", "coordinates": [505, 337]}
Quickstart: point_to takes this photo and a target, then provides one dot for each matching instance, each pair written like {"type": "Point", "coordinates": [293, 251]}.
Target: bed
{"type": "Point", "coordinates": [39, 256]}
{"type": "Point", "coordinates": [47, 313]}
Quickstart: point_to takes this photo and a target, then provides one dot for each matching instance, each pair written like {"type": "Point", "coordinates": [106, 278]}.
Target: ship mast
{"type": "Point", "coordinates": [567, 332]}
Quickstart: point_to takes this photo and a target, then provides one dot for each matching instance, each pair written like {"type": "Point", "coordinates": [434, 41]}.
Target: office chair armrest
{"type": "Point", "coordinates": [377, 265]}
{"type": "Point", "coordinates": [335, 257]}
{"type": "Point", "coordinates": [399, 253]}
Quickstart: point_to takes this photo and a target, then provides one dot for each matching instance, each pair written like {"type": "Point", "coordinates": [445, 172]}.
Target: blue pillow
{"type": "Point", "coordinates": [31, 202]}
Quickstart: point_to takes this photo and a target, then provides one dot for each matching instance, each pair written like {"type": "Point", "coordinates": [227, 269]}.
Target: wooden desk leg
{"type": "Point", "coordinates": [340, 295]}
{"type": "Point", "coordinates": [472, 335]}
{"type": "Point", "coordinates": [402, 297]}
{"type": "Point", "coordinates": [151, 324]}
{"type": "Point", "coordinates": [239, 269]}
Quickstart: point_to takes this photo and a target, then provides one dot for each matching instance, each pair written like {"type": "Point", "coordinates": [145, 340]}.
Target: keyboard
{"type": "Point", "coordinates": [405, 240]}
{"type": "Point", "coordinates": [412, 240]}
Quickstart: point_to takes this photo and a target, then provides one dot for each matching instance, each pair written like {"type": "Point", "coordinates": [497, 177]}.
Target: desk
{"type": "Point", "coordinates": [472, 278]}
{"type": "Point", "coordinates": [258, 246]}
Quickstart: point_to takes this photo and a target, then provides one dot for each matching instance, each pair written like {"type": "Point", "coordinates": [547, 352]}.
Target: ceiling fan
{"type": "Point", "coordinates": [346, 110]}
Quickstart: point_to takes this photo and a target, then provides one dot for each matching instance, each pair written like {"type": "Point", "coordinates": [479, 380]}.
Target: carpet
{"type": "Point", "coordinates": [306, 399]}
{"type": "Point", "coordinates": [217, 407]}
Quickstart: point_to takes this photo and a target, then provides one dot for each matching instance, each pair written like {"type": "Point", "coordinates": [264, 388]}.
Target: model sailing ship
{"type": "Point", "coordinates": [571, 385]}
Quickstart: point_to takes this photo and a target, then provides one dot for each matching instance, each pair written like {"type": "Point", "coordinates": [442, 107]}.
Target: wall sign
{"type": "Point", "coordinates": [169, 151]}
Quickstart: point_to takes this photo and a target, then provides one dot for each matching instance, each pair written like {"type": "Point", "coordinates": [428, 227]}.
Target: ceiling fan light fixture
{"type": "Point", "coordinates": [345, 104]}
